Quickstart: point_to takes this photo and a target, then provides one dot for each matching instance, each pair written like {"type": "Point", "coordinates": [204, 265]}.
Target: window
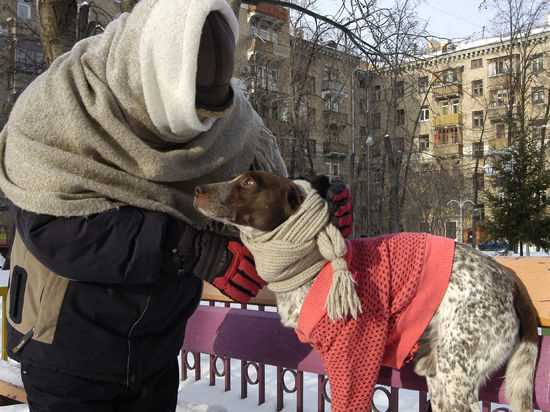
{"type": "Point", "coordinates": [400, 117]}
{"type": "Point", "coordinates": [538, 95]}
{"type": "Point", "coordinates": [477, 120]}
{"type": "Point", "coordinates": [23, 10]}
{"type": "Point", "coordinates": [332, 103]}
{"type": "Point", "coordinates": [264, 78]}
{"type": "Point", "coordinates": [500, 130]}
{"type": "Point", "coordinates": [476, 63]}
{"type": "Point", "coordinates": [449, 135]}
{"type": "Point", "coordinates": [537, 63]}
{"type": "Point", "coordinates": [444, 107]}
{"type": "Point", "coordinates": [423, 83]}
{"type": "Point", "coordinates": [400, 88]}
{"type": "Point", "coordinates": [539, 132]}
{"type": "Point", "coordinates": [311, 147]}
{"type": "Point", "coordinates": [423, 142]}
{"type": "Point", "coordinates": [501, 65]}
{"type": "Point", "coordinates": [477, 150]}
{"type": "Point", "coordinates": [275, 111]}
{"type": "Point", "coordinates": [378, 92]}
{"type": "Point", "coordinates": [363, 132]}
{"type": "Point", "coordinates": [376, 120]}
{"type": "Point", "coordinates": [450, 76]}
{"type": "Point", "coordinates": [424, 114]}
{"type": "Point", "coordinates": [310, 85]}
{"type": "Point", "coordinates": [455, 106]}
{"type": "Point", "coordinates": [499, 97]}
{"type": "Point", "coordinates": [477, 87]}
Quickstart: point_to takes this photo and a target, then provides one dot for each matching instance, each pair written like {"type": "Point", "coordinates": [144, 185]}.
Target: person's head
{"type": "Point", "coordinates": [187, 54]}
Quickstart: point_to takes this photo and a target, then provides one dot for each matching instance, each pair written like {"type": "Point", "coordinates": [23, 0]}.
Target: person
{"type": "Point", "coordinates": [99, 159]}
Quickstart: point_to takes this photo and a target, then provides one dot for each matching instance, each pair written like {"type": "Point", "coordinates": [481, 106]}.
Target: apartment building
{"type": "Point", "coordinates": [450, 108]}
{"type": "Point", "coordinates": [305, 91]}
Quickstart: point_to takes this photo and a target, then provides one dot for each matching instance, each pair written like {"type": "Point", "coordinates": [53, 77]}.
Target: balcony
{"type": "Point", "coordinates": [268, 50]}
{"type": "Point", "coordinates": [335, 86]}
{"type": "Point", "coordinates": [335, 118]}
{"type": "Point", "coordinates": [267, 12]}
{"type": "Point", "coordinates": [497, 112]}
{"type": "Point", "coordinates": [442, 91]}
{"type": "Point", "coordinates": [335, 149]}
{"type": "Point", "coordinates": [498, 143]}
{"type": "Point", "coordinates": [448, 150]}
{"type": "Point", "coordinates": [449, 119]}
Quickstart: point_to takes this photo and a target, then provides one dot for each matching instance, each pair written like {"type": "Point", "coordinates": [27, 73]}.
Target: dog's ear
{"type": "Point", "coordinates": [321, 183]}
{"type": "Point", "coordinates": [294, 198]}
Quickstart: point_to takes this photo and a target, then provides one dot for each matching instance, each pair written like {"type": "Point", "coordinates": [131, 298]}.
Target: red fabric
{"type": "Point", "coordinates": [401, 280]}
{"type": "Point", "coordinates": [241, 281]}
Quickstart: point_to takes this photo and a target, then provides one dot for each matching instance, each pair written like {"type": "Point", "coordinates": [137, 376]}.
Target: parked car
{"type": "Point", "coordinates": [499, 246]}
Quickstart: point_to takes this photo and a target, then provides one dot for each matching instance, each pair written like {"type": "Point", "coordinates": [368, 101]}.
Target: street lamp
{"type": "Point", "coordinates": [368, 143]}
{"type": "Point", "coordinates": [461, 204]}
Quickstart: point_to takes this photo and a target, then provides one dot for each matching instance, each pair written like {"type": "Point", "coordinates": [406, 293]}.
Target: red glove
{"type": "Point", "coordinates": [240, 281]}
{"type": "Point", "coordinates": [341, 207]}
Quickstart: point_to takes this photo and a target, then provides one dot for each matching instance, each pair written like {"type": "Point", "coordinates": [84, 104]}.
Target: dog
{"type": "Point", "coordinates": [484, 319]}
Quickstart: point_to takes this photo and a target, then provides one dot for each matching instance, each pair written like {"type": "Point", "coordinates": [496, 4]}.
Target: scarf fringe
{"type": "Point", "coordinates": [343, 301]}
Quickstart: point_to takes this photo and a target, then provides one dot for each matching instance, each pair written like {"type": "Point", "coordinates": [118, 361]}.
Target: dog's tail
{"type": "Point", "coordinates": [520, 372]}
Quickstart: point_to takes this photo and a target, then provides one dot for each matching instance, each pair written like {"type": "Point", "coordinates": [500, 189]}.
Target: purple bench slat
{"type": "Point", "coordinates": [260, 337]}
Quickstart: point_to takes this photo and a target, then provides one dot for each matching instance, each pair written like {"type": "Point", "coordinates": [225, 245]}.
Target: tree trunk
{"type": "Point", "coordinates": [57, 25]}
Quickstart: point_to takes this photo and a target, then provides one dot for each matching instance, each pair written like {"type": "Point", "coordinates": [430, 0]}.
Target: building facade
{"type": "Point", "coordinates": [450, 107]}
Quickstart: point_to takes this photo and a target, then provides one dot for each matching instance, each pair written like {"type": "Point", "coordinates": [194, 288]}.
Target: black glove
{"type": "Point", "coordinates": [224, 262]}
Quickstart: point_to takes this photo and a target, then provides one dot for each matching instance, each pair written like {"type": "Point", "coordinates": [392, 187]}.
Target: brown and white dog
{"type": "Point", "coordinates": [484, 319]}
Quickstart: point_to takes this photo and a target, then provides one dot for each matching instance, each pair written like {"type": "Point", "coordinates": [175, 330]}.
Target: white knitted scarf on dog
{"type": "Point", "coordinates": [294, 253]}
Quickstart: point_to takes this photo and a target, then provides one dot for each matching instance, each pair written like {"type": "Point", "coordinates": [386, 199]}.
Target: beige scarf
{"type": "Point", "coordinates": [113, 122]}
{"type": "Point", "coordinates": [294, 253]}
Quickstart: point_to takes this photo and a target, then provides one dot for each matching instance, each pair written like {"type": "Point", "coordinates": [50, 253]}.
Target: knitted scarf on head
{"type": "Point", "coordinates": [294, 253]}
{"type": "Point", "coordinates": [113, 122]}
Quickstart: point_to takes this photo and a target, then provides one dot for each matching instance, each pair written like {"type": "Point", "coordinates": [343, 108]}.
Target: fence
{"type": "Point", "coordinates": [255, 338]}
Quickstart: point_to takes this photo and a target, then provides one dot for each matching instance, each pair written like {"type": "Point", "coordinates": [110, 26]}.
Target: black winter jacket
{"type": "Point", "coordinates": [121, 306]}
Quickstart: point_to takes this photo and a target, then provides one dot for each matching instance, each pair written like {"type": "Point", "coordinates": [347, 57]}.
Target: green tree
{"type": "Point", "coordinates": [519, 205]}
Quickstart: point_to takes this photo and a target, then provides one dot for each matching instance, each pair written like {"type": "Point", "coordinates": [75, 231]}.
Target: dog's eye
{"type": "Point", "coordinates": [248, 182]}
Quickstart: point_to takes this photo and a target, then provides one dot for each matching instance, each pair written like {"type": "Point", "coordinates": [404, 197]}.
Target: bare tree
{"type": "Point", "coordinates": [398, 36]}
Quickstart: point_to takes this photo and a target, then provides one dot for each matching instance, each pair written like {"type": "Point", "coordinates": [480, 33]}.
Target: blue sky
{"type": "Point", "coordinates": [446, 18]}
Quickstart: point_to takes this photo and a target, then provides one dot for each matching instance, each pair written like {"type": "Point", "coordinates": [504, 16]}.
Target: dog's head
{"type": "Point", "coordinates": [258, 200]}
